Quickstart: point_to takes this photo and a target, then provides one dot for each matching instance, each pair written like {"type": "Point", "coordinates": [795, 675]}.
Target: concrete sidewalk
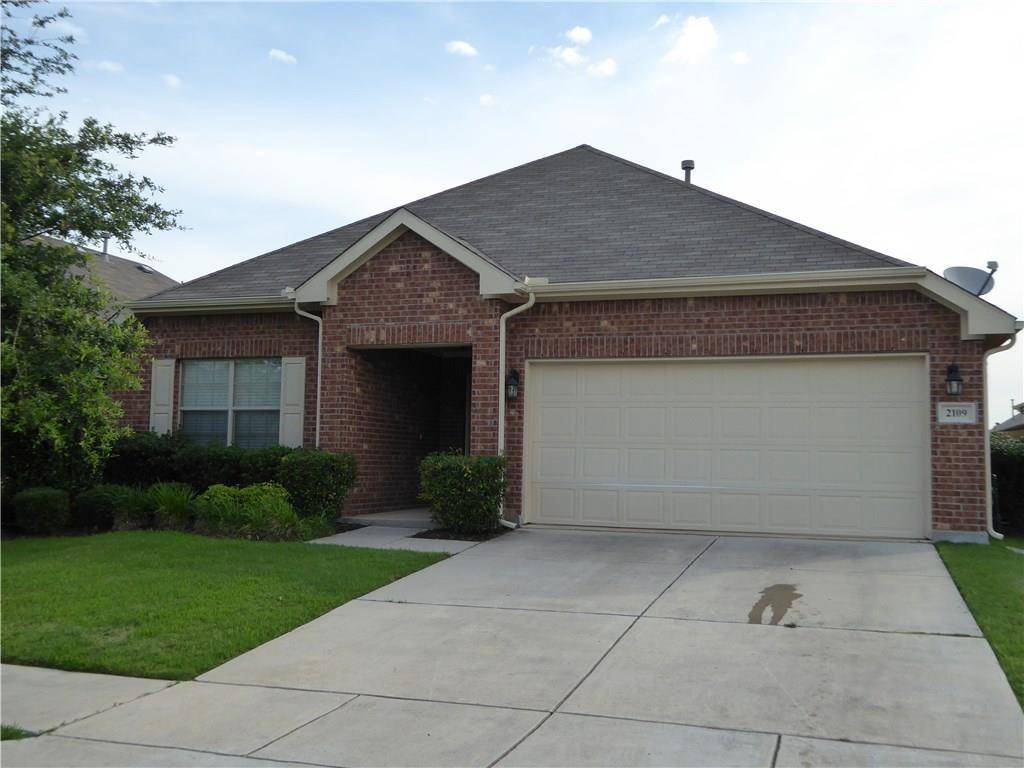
{"type": "Point", "coordinates": [583, 648]}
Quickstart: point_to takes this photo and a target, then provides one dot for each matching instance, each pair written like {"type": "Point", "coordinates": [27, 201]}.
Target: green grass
{"type": "Point", "coordinates": [171, 605]}
{"type": "Point", "coordinates": [991, 579]}
{"type": "Point", "coordinates": [11, 732]}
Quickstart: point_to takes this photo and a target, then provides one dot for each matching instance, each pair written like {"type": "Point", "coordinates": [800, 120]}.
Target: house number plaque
{"type": "Point", "coordinates": [958, 413]}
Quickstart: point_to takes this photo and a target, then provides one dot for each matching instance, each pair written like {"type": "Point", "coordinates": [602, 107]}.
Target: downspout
{"type": "Point", "coordinates": [501, 381]}
{"type": "Point", "coordinates": [988, 438]}
{"type": "Point", "coordinates": [319, 362]}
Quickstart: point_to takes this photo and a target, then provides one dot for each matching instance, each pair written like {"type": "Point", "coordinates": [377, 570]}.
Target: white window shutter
{"type": "Point", "coordinates": [293, 400]}
{"type": "Point", "coordinates": [161, 397]}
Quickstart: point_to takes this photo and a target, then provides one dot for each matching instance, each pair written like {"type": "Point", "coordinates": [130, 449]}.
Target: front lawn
{"type": "Point", "coordinates": [991, 579]}
{"type": "Point", "coordinates": [171, 605]}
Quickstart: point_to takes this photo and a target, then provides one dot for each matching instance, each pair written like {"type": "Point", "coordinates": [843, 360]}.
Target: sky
{"type": "Point", "coordinates": [897, 126]}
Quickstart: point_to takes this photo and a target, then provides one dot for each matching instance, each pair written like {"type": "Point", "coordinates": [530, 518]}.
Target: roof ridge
{"type": "Point", "coordinates": [890, 260]}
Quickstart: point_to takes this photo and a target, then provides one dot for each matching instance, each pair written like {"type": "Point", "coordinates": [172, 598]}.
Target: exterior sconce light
{"type": "Point", "coordinates": [512, 385]}
{"type": "Point", "coordinates": [954, 381]}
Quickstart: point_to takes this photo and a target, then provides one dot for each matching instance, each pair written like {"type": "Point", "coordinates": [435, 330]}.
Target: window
{"type": "Point", "coordinates": [232, 402]}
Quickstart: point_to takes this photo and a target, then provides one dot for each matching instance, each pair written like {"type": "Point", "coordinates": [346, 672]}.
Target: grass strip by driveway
{"type": "Point", "coordinates": [172, 605]}
{"type": "Point", "coordinates": [991, 579]}
{"type": "Point", "coordinates": [12, 732]}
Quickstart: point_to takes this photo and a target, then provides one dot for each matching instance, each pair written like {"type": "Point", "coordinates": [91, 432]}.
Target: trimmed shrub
{"type": "Point", "coordinates": [42, 510]}
{"type": "Point", "coordinates": [1007, 452]}
{"type": "Point", "coordinates": [204, 465]}
{"type": "Point", "coordinates": [317, 481]}
{"type": "Point", "coordinates": [254, 512]}
{"type": "Point", "coordinates": [173, 505]}
{"type": "Point", "coordinates": [464, 492]}
{"type": "Point", "coordinates": [94, 509]}
{"type": "Point", "coordinates": [144, 458]}
{"type": "Point", "coordinates": [133, 509]}
{"type": "Point", "coordinates": [261, 465]}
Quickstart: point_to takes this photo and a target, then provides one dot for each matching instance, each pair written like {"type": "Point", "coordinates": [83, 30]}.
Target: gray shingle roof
{"type": "Point", "coordinates": [127, 280]}
{"type": "Point", "coordinates": [579, 215]}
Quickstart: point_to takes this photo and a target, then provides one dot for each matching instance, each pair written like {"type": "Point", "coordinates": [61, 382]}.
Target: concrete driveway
{"type": "Point", "coordinates": [560, 647]}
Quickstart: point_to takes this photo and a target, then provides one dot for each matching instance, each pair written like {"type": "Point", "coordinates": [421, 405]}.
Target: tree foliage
{"type": "Point", "coordinates": [64, 351]}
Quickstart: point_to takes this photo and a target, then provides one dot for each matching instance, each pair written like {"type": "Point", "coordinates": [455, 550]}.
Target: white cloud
{"type": "Point", "coordinates": [661, 21]}
{"type": "Point", "coordinates": [604, 68]}
{"type": "Point", "coordinates": [486, 100]}
{"type": "Point", "coordinates": [64, 27]}
{"type": "Point", "coordinates": [696, 40]}
{"type": "Point", "coordinates": [171, 81]}
{"type": "Point", "coordinates": [579, 35]}
{"type": "Point", "coordinates": [741, 57]}
{"type": "Point", "coordinates": [110, 66]}
{"type": "Point", "coordinates": [569, 56]}
{"type": "Point", "coordinates": [460, 48]}
{"type": "Point", "coordinates": [282, 56]}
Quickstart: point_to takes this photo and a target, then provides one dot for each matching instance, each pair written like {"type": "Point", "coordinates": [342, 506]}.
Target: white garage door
{"type": "Point", "coordinates": [834, 446]}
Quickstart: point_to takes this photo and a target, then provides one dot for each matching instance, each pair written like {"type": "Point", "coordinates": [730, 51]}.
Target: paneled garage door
{"type": "Point", "coordinates": [835, 446]}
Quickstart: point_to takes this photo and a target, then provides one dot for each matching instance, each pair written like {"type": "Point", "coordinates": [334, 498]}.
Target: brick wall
{"type": "Point", "coordinates": [409, 294]}
{"type": "Point", "coordinates": [199, 337]}
{"type": "Point", "coordinates": [412, 294]}
{"type": "Point", "coordinates": [791, 324]}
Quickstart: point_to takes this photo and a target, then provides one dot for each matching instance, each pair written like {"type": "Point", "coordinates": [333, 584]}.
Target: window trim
{"type": "Point", "coordinates": [230, 407]}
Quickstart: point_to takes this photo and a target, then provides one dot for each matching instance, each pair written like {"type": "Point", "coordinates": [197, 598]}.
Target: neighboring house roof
{"type": "Point", "coordinates": [1015, 424]}
{"type": "Point", "coordinates": [127, 280]}
{"type": "Point", "coordinates": [578, 216]}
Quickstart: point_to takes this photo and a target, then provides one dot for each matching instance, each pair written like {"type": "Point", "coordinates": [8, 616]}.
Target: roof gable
{"type": "Point", "coordinates": [322, 287]}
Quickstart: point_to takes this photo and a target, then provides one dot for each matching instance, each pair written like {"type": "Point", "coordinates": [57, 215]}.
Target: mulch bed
{"type": "Point", "coordinates": [444, 533]}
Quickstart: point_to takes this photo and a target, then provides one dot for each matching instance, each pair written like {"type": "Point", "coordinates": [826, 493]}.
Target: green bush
{"type": "Point", "coordinates": [94, 509]}
{"type": "Point", "coordinates": [144, 458]}
{"type": "Point", "coordinates": [173, 505]}
{"type": "Point", "coordinates": [464, 492]}
{"type": "Point", "coordinates": [317, 481]}
{"type": "Point", "coordinates": [260, 511]}
{"type": "Point", "coordinates": [133, 509]}
{"type": "Point", "coordinates": [42, 510]}
{"type": "Point", "coordinates": [1007, 454]}
{"type": "Point", "coordinates": [260, 465]}
{"type": "Point", "coordinates": [204, 465]}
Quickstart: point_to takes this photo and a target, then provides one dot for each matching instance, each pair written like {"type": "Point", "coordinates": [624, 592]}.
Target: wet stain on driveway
{"type": "Point", "coordinates": [778, 597]}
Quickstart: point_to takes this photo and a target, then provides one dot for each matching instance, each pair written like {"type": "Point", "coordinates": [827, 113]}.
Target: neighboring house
{"type": "Point", "coordinates": [125, 279]}
{"type": "Point", "coordinates": [1014, 423]}
{"type": "Point", "coordinates": [683, 360]}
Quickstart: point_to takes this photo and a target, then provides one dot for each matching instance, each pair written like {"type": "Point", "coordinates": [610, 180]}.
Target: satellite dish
{"type": "Point", "coordinates": [977, 281]}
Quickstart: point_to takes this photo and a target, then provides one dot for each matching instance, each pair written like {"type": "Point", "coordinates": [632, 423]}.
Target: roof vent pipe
{"type": "Point", "coordinates": [687, 167]}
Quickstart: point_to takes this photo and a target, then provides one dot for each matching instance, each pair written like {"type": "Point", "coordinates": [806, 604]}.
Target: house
{"type": "Point", "coordinates": [126, 280]}
{"type": "Point", "coordinates": [1014, 424]}
{"type": "Point", "coordinates": [647, 353]}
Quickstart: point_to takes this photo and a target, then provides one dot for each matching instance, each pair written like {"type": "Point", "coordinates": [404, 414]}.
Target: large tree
{"type": "Point", "coordinates": [63, 351]}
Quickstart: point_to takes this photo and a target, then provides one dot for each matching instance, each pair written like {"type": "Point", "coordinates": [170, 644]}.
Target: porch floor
{"type": "Point", "coordinates": [417, 517]}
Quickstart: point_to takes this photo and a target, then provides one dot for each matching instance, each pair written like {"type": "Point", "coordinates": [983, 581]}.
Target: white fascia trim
{"type": "Point", "coordinates": [237, 304]}
{"type": "Point", "coordinates": [323, 286]}
{"type": "Point", "coordinates": [978, 317]}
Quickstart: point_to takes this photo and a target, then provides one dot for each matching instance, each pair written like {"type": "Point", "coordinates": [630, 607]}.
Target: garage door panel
{"type": "Point", "coordinates": [797, 446]}
{"type": "Point", "coordinates": [556, 463]}
{"type": "Point", "coordinates": [600, 464]}
{"type": "Point", "coordinates": [691, 510]}
{"type": "Point", "coordinates": [557, 421]}
{"type": "Point", "coordinates": [788, 513]}
{"type": "Point", "coordinates": [644, 508]}
{"type": "Point", "coordinates": [692, 423]}
{"type": "Point", "coordinates": [601, 422]}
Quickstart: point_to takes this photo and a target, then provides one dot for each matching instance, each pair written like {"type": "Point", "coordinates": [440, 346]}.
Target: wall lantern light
{"type": "Point", "coordinates": [954, 381]}
{"type": "Point", "coordinates": [512, 385]}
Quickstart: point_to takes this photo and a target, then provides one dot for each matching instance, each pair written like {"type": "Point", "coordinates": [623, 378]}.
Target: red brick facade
{"type": "Point", "coordinates": [413, 295]}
